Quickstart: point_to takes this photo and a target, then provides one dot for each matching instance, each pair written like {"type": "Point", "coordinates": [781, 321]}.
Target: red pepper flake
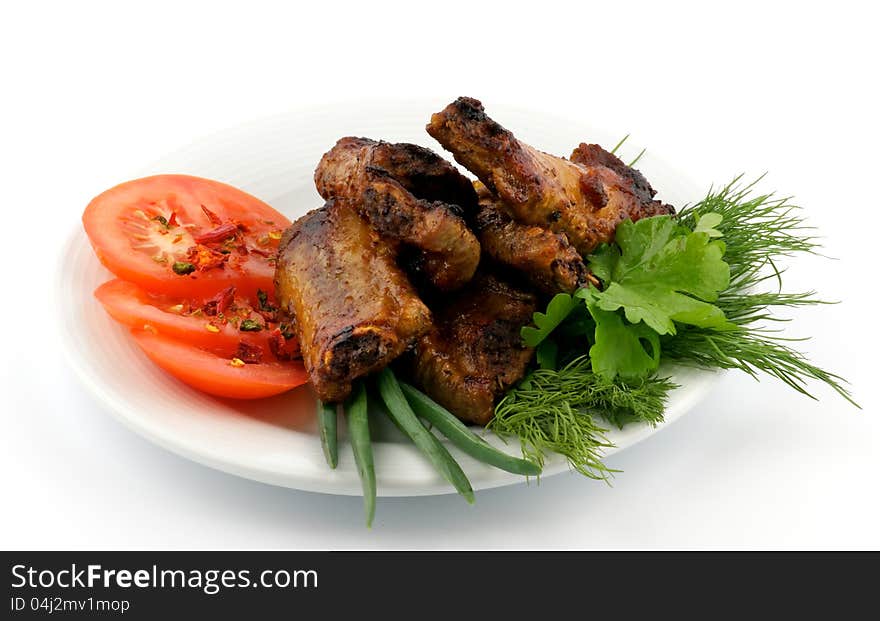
{"type": "Point", "coordinates": [172, 219]}
{"type": "Point", "coordinates": [251, 354]}
{"type": "Point", "coordinates": [269, 315]}
{"type": "Point", "coordinates": [213, 217]}
{"type": "Point", "coordinates": [283, 348]}
{"type": "Point", "coordinates": [204, 258]}
{"type": "Point", "coordinates": [220, 302]}
{"type": "Point", "coordinates": [222, 232]}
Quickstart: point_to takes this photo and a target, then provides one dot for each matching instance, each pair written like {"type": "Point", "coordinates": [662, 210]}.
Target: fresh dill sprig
{"type": "Point", "coordinates": [637, 158]}
{"type": "Point", "coordinates": [619, 144]}
{"type": "Point", "coordinates": [751, 350]}
{"type": "Point", "coordinates": [758, 231]}
{"type": "Point", "coordinates": [560, 411]}
{"type": "Point", "coordinates": [752, 346]}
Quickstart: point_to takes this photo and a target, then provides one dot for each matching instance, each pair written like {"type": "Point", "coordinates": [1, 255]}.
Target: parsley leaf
{"type": "Point", "coordinates": [546, 354]}
{"type": "Point", "coordinates": [603, 260]}
{"type": "Point", "coordinates": [557, 310]}
{"type": "Point", "coordinates": [665, 274]}
{"type": "Point", "coordinates": [619, 348]}
{"type": "Point", "coordinates": [707, 223]}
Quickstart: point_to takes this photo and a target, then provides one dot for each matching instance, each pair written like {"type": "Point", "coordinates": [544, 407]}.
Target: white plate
{"type": "Point", "coordinates": [274, 440]}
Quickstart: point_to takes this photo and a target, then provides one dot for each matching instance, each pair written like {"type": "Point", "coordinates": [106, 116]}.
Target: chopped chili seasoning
{"type": "Point", "coordinates": [220, 302]}
{"type": "Point", "coordinates": [282, 348]}
{"type": "Point", "coordinates": [218, 234]}
{"type": "Point", "coordinates": [213, 217]}
{"type": "Point", "coordinates": [248, 353]}
{"type": "Point", "coordinates": [204, 258]}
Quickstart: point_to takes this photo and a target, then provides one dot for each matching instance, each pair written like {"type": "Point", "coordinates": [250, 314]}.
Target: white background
{"type": "Point", "coordinates": [91, 92]}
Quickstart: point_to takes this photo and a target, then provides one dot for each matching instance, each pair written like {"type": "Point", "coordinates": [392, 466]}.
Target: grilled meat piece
{"type": "Point", "coordinates": [353, 308]}
{"type": "Point", "coordinates": [585, 198]}
{"type": "Point", "coordinates": [545, 258]}
{"type": "Point", "coordinates": [408, 194]}
{"type": "Point", "coordinates": [592, 156]}
{"type": "Point", "coordinates": [475, 353]}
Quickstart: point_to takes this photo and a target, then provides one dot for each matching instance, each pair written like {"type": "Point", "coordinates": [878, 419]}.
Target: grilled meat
{"type": "Point", "coordinates": [408, 194]}
{"type": "Point", "coordinates": [545, 258]}
{"type": "Point", "coordinates": [475, 353]}
{"type": "Point", "coordinates": [585, 197]}
{"type": "Point", "coordinates": [354, 309]}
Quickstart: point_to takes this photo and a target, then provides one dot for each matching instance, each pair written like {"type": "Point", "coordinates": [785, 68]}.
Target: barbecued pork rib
{"type": "Point", "coordinates": [545, 258]}
{"type": "Point", "coordinates": [409, 194]}
{"type": "Point", "coordinates": [475, 353]}
{"type": "Point", "coordinates": [354, 309]}
{"type": "Point", "coordinates": [585, 198]}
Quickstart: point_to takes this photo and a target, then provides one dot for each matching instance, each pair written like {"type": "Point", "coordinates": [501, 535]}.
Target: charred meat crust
{"type": "Point", "coordinates": [485, 148]}
{"type": "Point", "coordinates": [592, 155]}
{"type": "Point", "coordinates": [353, 309]}
{"type": "Point", "coordinates": [475, 353]}
{"type": "Point", "coordinates": [405, 192]}
{"type": "Point", "coordinates": [424, 174]}
{"type": "Point", "coordinates": [545, 258]}
{"type": "Point", "coordinates": [584, 198]}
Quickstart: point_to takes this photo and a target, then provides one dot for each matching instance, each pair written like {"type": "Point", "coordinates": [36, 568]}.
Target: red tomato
{"type": "Point", "coordinates": [185, 236]}
{"type": "Point", "coordinates": [219, 333]}
{"type": "Point", "coordinates": [216, 375]}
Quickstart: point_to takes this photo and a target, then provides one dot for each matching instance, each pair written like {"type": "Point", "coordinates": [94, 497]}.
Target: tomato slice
{"type": "Point", "coordinates": [218, 330]}
{"type": "Point", "coordinates": [217, 375]}
{"type": "Point", "coordinates": [185, 236]}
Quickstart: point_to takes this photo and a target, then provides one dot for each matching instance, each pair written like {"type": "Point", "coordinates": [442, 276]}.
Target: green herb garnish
{"type": "Point", "coordinates": [561, 411]}
{"type": "Point", "coordinates": [249, 325]}
{"type": "Point", "coordinates": [662, 274]}
{"type": "Point", "coordinates": [688, 289]}
{"type": "Point", "coordinates": [557, 310]}
{"type": "Point", "coordinates": [182, 268]}
{"type": "Point", "coordinates": [286, 331]}
{"type": "Point", "coordinates": [263, 299]}
{"type": "Point", "coordinates": [758, 231]}
{"type": "Point", "coordinates": [622, 349]}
